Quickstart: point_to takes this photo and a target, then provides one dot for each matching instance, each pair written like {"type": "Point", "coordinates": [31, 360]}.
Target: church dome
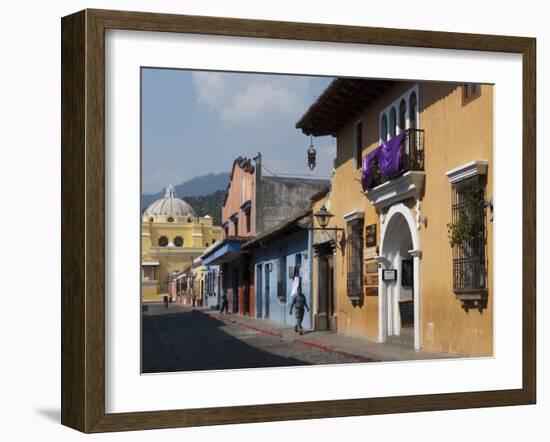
{"type": "Point", "coordinates": [170, 205]}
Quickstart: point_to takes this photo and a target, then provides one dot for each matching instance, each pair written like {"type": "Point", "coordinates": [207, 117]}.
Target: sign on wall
{"type": "Point", "coordinates": [389, 275]}
{"type": "Point", "coordinates": [370, 235]}
{"type": "Point", "coordinates": [371, 291]}
{"type": "Point", "coordinates": [370, 252]}
{"type": "Point", "coordinates": [371, 267]}
{"type": "Point", "coordinates": [371, 279]}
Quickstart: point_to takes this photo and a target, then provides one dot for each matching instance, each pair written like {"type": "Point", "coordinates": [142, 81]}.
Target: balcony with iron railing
{"type": "Point", "coordinates": [411, 157]}
{"type": "Point", "coordinates": [406, 177]}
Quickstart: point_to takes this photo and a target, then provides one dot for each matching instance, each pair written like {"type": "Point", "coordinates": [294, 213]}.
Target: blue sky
{"type": "Point", "coordinates": [196, 122]}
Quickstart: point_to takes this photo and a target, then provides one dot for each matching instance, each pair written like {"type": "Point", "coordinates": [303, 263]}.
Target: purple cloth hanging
{"type": "Point", "coordinates": [367, 174]}
{"type": "Point", "coordinates": [390, 153]}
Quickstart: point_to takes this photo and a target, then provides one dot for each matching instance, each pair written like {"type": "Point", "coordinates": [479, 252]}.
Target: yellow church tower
{"type": "Point", "coordinates": [172, 235]}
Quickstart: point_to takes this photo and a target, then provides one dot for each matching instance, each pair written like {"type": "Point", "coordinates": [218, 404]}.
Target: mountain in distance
{"type": "Point", "coordinates": [208, 205]}
{"type": "Point", "coordinates": [205, 193]}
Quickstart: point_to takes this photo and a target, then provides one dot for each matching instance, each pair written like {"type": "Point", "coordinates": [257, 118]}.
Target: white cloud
{"type": "Point", "coordinates": [245, 98]}
{"type": "Point", "coordinates": [260, 100]}
{"type": "Point", "coordinates": [210, 88]}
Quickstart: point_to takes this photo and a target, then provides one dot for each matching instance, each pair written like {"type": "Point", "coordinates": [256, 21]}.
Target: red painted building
{"type": "Point", "coordinates": [238, 223]}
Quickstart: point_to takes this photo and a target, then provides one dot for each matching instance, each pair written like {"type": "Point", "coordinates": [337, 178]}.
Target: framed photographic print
{"type": "Point", "coordinates": [251, 205]}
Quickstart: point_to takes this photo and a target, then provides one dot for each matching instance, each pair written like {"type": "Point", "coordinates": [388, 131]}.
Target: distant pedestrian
{"type": "Point", "coordinates": [165, 301]}
{"type": "Point", "coordinates": [225, 304]}
{"type": "Point", "coordinates": [299, 303]}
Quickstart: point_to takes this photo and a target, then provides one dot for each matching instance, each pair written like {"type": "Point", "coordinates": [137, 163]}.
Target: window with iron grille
{"type": "Point", "coordinates": [467, 234]}
{"type": "Point", "coordinates": [354, 252]}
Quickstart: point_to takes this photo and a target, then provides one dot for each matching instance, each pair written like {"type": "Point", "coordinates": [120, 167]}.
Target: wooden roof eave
{"type": "Point", "coordinates": [341, 101]}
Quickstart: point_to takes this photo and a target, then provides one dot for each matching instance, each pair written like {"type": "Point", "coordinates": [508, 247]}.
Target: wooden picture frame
{"type": "Point", "coordinates": [83, 220]}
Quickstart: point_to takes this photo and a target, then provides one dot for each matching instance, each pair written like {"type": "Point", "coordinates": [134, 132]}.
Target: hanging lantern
{"type": "Point", "coordinates": [311, 154]}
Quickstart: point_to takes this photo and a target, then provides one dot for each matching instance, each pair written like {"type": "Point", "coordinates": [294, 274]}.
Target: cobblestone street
{"type": "Point", "coordinates": [181, 339]}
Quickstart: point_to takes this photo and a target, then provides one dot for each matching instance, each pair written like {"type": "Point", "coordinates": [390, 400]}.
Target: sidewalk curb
{"type": "Point", "coordinates": [261, 330]}
{"type": "Point", "coordinates": [270, 332]}
{"type": "Point", "coordinates": [358, 357]}
{"type": "Point", "coordinates": [243, 324]}
{"type": "Point", "coordinates": [314, 344]}
{"type": "Point", "coordinates": [333, 350]}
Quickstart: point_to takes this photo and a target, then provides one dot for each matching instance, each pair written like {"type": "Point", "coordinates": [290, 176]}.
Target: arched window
{"type": "Point", "coordinates": [163, 241]}
{"type": "Point", "coordinates": [151, 219]}
{"type": "Point", "coordinates": [469, 92]}
{"type": "Point", "coordinates": [170, 219]}
{"type": "Point", "coordinates": [178, 241]}
{"type": "Point", "coordinates": [413, 109]}
{"type": "Point", "coordinates": [402, 115]}
{"type": "Point", "coordinates": [384, 128]}
{"type": "Point", "coordinates": [392, 122]}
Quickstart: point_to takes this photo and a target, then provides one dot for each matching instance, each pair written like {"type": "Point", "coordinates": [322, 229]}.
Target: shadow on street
{"type": "Point", "coordinates": [189, 340]}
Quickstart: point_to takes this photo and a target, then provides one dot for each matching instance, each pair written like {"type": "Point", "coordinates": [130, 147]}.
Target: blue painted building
{"type": "Point", "coordinates": [232, 265]}
{"type": "Point", "coordinates": [277, 257]}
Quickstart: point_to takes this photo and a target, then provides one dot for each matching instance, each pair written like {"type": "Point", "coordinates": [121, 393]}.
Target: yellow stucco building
{"type": "Point", "coordinates": [172, 236]}
{"type": "Point", "coordinates": [414, 262]}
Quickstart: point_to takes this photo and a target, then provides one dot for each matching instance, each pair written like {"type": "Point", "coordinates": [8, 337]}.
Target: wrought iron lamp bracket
{"type": "Point", "coordinates": [337, 242]}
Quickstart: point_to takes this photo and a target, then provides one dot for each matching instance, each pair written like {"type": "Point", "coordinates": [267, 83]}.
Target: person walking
{"type": "Point", "coordinates": [299, 304]}
{"type": "Point", "coordinates": [224, 306]}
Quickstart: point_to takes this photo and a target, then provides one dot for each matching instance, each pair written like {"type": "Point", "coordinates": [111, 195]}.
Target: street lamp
{"type": "Point", "coordinates": [323, 217]}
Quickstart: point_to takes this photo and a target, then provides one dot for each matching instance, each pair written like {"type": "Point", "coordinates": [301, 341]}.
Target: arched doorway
{"type": "Point", "coordinates": [399, 298]}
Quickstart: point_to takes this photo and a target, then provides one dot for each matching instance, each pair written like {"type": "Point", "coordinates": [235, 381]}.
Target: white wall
{"type": "Point", "coordinates": [30, 165]}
